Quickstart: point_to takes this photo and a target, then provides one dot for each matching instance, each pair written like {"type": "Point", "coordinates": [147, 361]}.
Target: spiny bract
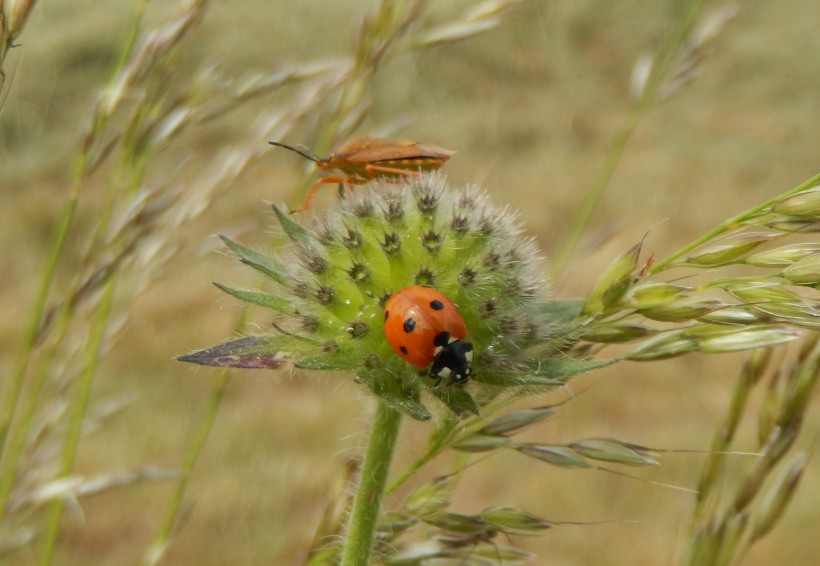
{"type": "Point", "coordinates": [331, 284]}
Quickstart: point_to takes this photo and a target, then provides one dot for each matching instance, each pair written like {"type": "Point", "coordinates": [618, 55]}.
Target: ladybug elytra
{"type": "Point", "coordinates": [424, 327]}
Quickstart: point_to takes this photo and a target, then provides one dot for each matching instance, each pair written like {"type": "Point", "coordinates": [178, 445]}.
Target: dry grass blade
{"type": "Point", "coordinates": [730, 517]}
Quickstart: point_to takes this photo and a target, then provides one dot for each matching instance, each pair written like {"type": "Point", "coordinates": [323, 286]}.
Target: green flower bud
{"type": "Point", "coordinates": [782, 256]}
{"type": "Point", "coordinates": [805, 271]}
{"type": "Point", "coordinates": [748, 338]}
{"type": "Point", "coordinates": [666, 345]}
{"type": "Point", "coordinates": [776, 497]}
{"type": "Point", "coordinates": [516, 420]}
{"type": "Point", "coordinates": [615, 282]}
{"type": "Point", "coordinates": [430, 498]}
{"type": "Point", "coordinates": [326, 292]}
{"type": "Point", "coordinates": [804, 203]}
{"type": "Point", "coordinates": [740, 314]}
{"type": "Point", "coordinates": [481, 443]}
{"type": "Point", "coordinates": [683, 309]}
{"type": "Point", "coordinates": [761, 292]}
{"type": "Point", "coordinates": [512, 519]}
{"type": "Point", "coordinates": [730, 251]}
{"type": "Point", "coordinates": [650, 294]}
{"type": "Point", "coordinates": [618, 333]}
{"type": "Point", "coordinates": [555, 454]}
{"type": "Point", "coordinates": [797, 225]}
{"type": "Point", "coordinates": [611, 450]}
{"type": "Point", "coordinates": [457, 522]}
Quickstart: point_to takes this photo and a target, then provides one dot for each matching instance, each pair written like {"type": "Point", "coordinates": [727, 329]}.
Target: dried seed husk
{"type": "Point", "coordinates": [612, 450]}
{"type": "Point", "coordinates": [481, 443]}
{"type": "Point", "coordinates": [776, 497]}
{"type": "Point", "coordinates": [432, 497]}
{"type": "Point", "coordinates": [511, 518]}
{"type": "Point", "coordinates": [516, 420]}
{"type": "Point", "coordinates": [555, 454]}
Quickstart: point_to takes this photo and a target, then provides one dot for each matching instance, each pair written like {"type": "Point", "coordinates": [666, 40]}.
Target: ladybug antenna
{"type": "Point", "coordinates": [302, 150]}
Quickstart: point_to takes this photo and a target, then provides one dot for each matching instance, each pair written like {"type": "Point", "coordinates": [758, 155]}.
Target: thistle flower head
{"type": "Point", "coordinates": [333, 280]}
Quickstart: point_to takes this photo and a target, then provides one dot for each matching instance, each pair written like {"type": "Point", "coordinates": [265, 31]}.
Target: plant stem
{"type": "Point", "coordinates": [595, 191]}
{"type": "Point", "coordinates": [82, 395]}
{"type": "Point", "coordinates": [372, 480]}
{"type": "Point", "coordinates": [731, 223]}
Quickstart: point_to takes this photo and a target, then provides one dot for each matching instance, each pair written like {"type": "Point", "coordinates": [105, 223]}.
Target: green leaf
{"type": "Point", "coordinates": [296, 233]}
{"type": "Point", "coordinates": [279, 304]}
{"type": "Point", "coordinates": [251, 352]}
{"type": "Point", "coordinates": [326, 362]}
{"type": "Point", "coordinates": [405, 400]}
{"type": "Point", "coordinates": [515, 379]}
{"type": "Point", "coordinates": [258, 261]}
{"type": "Point", "coordinates": [562, 311]}
{"type": "Point", "coordinates": [456, 398]}
{"type": "Point", "coordinates": [562, 368]}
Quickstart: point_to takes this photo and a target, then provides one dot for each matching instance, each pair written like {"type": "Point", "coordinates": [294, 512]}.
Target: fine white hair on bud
{"type": "Point", "coordinates": [329, 286]}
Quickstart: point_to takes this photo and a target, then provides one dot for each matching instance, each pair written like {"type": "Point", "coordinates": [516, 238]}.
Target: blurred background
{"type": "Point", "coordinates": [532, 105]}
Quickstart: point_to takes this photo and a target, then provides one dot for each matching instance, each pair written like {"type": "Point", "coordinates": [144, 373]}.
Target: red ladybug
{"type": "Point", "coordinates": [423, 327]}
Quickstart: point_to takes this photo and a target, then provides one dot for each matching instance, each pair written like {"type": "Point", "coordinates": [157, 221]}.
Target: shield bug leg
{"type": "Point", "coordinates": [322, 181]}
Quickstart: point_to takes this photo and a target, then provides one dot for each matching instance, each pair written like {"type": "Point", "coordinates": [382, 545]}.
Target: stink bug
{"type": "Point", "coordinates": [366, 158]}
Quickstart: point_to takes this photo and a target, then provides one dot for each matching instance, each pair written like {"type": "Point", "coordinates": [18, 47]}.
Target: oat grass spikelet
{"type": "Point", "coordinates": [332, 282]}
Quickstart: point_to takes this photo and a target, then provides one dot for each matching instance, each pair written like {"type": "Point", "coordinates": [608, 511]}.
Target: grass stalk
{"type": "Point", "coordinates": [372, 481]}
{"type": "Point", "coordinates": [34, 324]}
{"type": "Point", "coordinates": [161, 540]}
{"type": "Point", "coordinates": [82, 394]}
{"type": "Point", "coordinates": [595, 191]}
{"type": "Point", "coordinates": [729, 224]}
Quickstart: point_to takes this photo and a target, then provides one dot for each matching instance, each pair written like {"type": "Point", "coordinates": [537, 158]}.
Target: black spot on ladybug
{"type": "Point", "coordinates": [436, 305]}
{"type": "Point", "coordinates": [386, 314]}
{"type": "Point", "coordinates": [409, 325]}
{"type": "Point", "coordinates": [441, 339]}
{"type": "Point", "coordinates": [403, 350]}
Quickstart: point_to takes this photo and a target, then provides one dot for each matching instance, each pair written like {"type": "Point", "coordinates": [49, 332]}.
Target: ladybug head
{"type": "Point", "coordinates": [453, 361]}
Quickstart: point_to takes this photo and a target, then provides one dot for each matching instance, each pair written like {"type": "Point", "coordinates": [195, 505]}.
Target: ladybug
{"type": "Point", "coordinates": [424, 327]}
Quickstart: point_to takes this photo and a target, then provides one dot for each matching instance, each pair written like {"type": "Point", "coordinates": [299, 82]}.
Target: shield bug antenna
{"type": "Point", "coordinates": [302, 150]}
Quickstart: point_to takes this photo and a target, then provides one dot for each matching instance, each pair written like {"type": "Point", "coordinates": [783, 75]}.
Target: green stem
{"type": "Point", "coordinates": [731, 223]}
{"type": "Point", "coordinates": [34, 324]}
{"type": "Point", "coordinates": [372, 480]}
{"type": "Point", "coordinates": [161, 540]}
{"type": "Point", "coordinates": [596, 190]}
{"type": "Point", "coordinates": [82, 394]}
{"type": "Point", "coordinates": [157, 549]}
